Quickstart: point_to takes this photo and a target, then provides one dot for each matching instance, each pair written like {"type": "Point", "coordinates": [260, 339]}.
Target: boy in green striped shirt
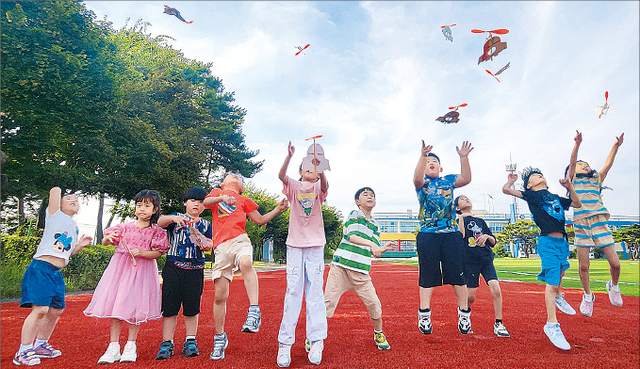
{"type": "Point", "coordinates": [352, 262]}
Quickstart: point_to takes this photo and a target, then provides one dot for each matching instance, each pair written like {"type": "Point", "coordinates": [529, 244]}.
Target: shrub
{"type": "Point", "coordinates": [500, 251]}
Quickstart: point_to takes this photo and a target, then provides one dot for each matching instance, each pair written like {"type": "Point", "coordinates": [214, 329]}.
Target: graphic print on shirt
{"type": "Point", "coordinates": [62, 242]}
{"type": "Point", "coordinates": [224, 209]}
{"type": "Point", "coordinates": [476, 231]}
{"type": "Point", "coordinates": [306, 200]}
{"type": "Point", "coordinates": [438, 206]}
{"type": "Point", "coordinates": [553, 207]}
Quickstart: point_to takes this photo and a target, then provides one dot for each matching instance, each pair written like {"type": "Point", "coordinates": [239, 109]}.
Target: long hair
{"type": "Point", "coordinates": [153, 197]}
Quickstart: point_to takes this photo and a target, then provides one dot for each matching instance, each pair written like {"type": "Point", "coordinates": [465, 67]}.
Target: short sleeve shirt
{"type": "Point", "coordinates": [436, 213]}
{"type": "Point", "coordinates": [306, 227]}
{"type": "Point", "coordinates": [547, 210]}
{"type": "Point", "coordinates": [229, 221]}
{"type": "Point", "coordinates": [474, 228]}
{"type": "Point", "coordinates": [589, 190]}
{"type": "Point", "coordinates": [183, 253]}
{"type": "Point", "coordinates": [60, 236]}
{"type": "Point", "coordinates": [352, 255]}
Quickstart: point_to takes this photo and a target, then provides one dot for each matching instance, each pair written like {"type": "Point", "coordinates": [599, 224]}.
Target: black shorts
{"type": "Point", "coordinates": [473, 270]}
{"type": "Point", "coordinates": [181, 287]}
{"type": "Point", "coordinates": [435, 249]}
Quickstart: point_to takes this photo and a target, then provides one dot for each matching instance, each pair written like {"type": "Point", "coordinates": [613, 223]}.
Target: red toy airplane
{"type": "Point", "coordinates": [301, 49]}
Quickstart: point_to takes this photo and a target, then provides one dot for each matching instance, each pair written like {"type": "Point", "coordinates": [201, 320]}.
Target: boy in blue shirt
{"type": "Point", "coordinates": [183, 273]}
{"type": "Point", "coordinates": [438, 240]}
{"type": "Point", "coordinates": [548, 214]}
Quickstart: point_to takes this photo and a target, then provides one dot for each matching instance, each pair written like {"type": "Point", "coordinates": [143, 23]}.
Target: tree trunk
{"type": "Point", "coordinates": [99, 234]}
{"type": "Point", "coordinates": [21, 217]}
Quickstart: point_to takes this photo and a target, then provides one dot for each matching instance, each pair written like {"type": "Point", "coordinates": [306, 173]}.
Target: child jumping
{"type": "Point", "coordinates": [548, 214]}
{"type": "Point", "coordinates": [232, 248]}
{"type": "Point", "coordinates": [590, 223]}
{"type": "Point", "coordinates": [183, 273]}
{"type": "Point", "coordinates": [43, 284]}
{"type": "Point", "coordinates": [478, 259]}
{"type": "Point", "coordinates": [129, 289]}
{"type": "Point", "coordinates": [305, 262]}
{"type": "Point", "coordinates": [438, 241]}
{"type": "Point", "coordinates": [352, 263]}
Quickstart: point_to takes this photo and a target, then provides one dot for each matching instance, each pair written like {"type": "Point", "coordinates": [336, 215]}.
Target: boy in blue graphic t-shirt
{"type": "Point", "coordinates": [438, 241]}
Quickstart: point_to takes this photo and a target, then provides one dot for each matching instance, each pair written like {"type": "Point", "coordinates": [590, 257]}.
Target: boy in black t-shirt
{"type": "Point", "coordinates": [478, 259]}
{"type": "Point", "coordinates": [548, 214]}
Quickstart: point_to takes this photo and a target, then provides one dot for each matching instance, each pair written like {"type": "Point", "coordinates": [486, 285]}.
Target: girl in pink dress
{"type": "Point", "coordinates": [129, 289]}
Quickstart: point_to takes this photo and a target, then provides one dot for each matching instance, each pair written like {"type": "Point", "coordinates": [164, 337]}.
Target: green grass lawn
{"type": "Point", "coordinates": [526, 270]}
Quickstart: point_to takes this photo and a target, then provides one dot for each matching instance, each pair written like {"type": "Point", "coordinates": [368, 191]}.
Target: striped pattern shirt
{"type": "Point", "coordinates": [350, 255]}
{"type": "Point", "coordinates": [589, 192]}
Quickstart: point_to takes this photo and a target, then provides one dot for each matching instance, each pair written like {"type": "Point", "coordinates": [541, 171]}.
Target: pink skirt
{"type": "Point", "coordinates": [126, 292]}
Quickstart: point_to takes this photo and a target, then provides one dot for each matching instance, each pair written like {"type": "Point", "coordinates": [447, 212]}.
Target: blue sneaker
{"type": "Point", "coordinates": [555, 336]}
{"type": "Point", "coordinates": [166, 350]}
{"type": "Point", "coordinates": [563, 305]}
{"type": "Point", "coordinates": [190, 348]}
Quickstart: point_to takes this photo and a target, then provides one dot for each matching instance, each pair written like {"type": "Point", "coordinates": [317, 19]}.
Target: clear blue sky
{"type": "Point", "coordinates": [378, 74]}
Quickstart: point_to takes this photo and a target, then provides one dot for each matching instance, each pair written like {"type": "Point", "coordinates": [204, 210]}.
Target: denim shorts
{"type": "Point", "coordinates": [42, 285]}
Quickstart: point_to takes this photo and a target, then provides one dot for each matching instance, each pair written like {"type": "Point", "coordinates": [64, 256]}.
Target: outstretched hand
{"type": "Point", "coordinates": [284, 204]}
{"type": "Point", "coordinates": [566, 183]}
{"type": "Point", "coordinates": [578, 138]}
{"type": "Point", "coordinates": [619, 140]}
{"type": "Point", "coordinates": [465, 150]}
{"type": "Point", "coordinates": [290, 150]}
{"type": "Point", "coordinates": [426, 149]}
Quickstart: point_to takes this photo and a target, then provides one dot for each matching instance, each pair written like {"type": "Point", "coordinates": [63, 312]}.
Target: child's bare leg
{"type": "Point", "coordinates": [583, 268]}
{"type": "Point", "coordinates": [559, 286]}
{"type": "Point", "coordinates": [494, 287]}
{"type": "Point", "coordinates": [425, 297]}
{"type": "Point", "coordinates": [32, 324]}
{"type": "Point", "coordinates": [48, 323]}
{"type": "Point", "coordinates": [133, 332]}
{"type": "Point", "coordinates": [461, 295]}
{"type": "Point", "coordinates": [614, 263]}
{"type": "Point", "coordinates": [114, 330]}
{"type": "Point", "coordinates": [550, 293]}
{"type": "Point", "coordinates": [191, 324]}
{"type": "Point", "coordinates": [245, 263]}
{"type": "Point", "coordinates": [377, 324]}
{"type": "Point", "coordinates": [169, 327]}
{"type": "Point", "coordinates": [220, 303]}
{"type": "Point", "coordinates": [471, 295]}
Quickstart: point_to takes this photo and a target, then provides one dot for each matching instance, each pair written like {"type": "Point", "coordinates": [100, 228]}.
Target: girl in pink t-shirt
{"type": "Point", "coordinates": [129, 289]}
{"type": "Point", "coordinates": [305, 261]}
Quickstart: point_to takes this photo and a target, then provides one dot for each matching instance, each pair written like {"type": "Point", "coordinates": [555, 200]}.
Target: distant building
{"type": "Point", "coordinates": [400, 227]}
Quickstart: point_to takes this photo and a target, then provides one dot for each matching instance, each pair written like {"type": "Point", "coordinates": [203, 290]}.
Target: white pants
{"type": "Point", "coordinates": [305, 269]}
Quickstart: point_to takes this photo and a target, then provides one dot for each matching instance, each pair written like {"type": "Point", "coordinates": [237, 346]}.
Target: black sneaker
{"type": "Point", "coordinates": [166, 350]}
{"type": "Point", "coordinates": [424, 322]}
{"type": "Point", "coordinates": [464, 322]}
{"type": "Point", "coordinates": [190, 348]}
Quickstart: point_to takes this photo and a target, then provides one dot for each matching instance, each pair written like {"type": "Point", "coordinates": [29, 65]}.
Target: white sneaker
{"type": "Point", "coordinates": [315, 354]}
{"type": "Point", "coordinates": [614, 294]}
{"type": "Point", "coordinates": [586, 306]}
{"type": "Point", "coordinates": [464, 322]}
{"type": "Point", "coordinates": [563, 305]}
{"type": "Point", "coordinates": [555, 336]}
{"type": "Point", "coordinates": [424, 322]}
{"type": "Point", "coordinates": [111, 355]}
{"type": "Point", "coordinates": [284, 355]}
{"type": "Point", "coordinates": [129, 354]}
{"type": "Point", "coordinates": [500, 330]}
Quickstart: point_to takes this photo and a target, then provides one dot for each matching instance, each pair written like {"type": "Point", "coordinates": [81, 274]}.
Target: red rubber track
{"type": "Point", "coordinates": [609, 339]}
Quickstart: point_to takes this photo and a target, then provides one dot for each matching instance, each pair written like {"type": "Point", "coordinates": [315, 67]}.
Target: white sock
{"type": "Point", "coordinates": [590, 297]}
{"type": "Point", "coordinates": [39, 342]}
{"type": "Point", "coordinates": [114, 345]}
{"type": "Point", "coordinates": [190, 338]}
{"type": "Point", "coordinates": [25, 347]}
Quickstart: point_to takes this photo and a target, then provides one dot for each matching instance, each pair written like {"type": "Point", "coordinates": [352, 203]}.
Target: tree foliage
{"type": "Point", "coordinates": [523, 232]}
{"type": "Point", "coordinates": [631, 238]}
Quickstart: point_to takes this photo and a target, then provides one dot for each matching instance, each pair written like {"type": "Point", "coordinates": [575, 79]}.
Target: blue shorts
{"type": "Point", "coordinates": [42, 285]}
{"type": "Point", "coordinates": [553, 253]}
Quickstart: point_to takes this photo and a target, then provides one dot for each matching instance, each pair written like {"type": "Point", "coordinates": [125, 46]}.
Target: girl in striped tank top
{"type": "Point", "coordinates": [590, 222]}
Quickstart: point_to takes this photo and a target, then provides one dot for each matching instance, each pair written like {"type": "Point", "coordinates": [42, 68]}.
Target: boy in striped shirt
{"type": "Point", "coordinates": [590, 222]}
{"type": "Point", "coordinates": [352, 263]}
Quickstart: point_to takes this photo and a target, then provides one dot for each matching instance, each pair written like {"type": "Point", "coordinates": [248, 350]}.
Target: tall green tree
{"type": "Point", "coordinates": [524, 232]}
{"type": "Point", "coordinates": [631, 238]}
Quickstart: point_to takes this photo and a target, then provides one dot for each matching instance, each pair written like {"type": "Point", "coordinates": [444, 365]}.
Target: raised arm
{"type": "Point", "coordinates": [507, 186]}
{"type": "Point", "coordinates": [55, 198]}
{"type": "Point", "coordinates": [324, 185]}
{"type": "Point", "coordinates": [283, 170]}
{"type": "Point", "coordinates": [263, 219]}
{"type": "Point", "coordinates": [574, 156]}
{"type": "Point", "coordinates": [212, 200]}
{"type": "Point", "coordinates": [465, 169]}
{"type": "Point", "coordinates": [418, 175]}
{"type": "Point", "coordinates": [612, 155]}
{"type": "Point", "coordinates": [575, 200]}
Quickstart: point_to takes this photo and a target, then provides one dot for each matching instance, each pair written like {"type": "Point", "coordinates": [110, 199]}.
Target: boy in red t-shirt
{"type": "Point", "coordinates": [232, 248]}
